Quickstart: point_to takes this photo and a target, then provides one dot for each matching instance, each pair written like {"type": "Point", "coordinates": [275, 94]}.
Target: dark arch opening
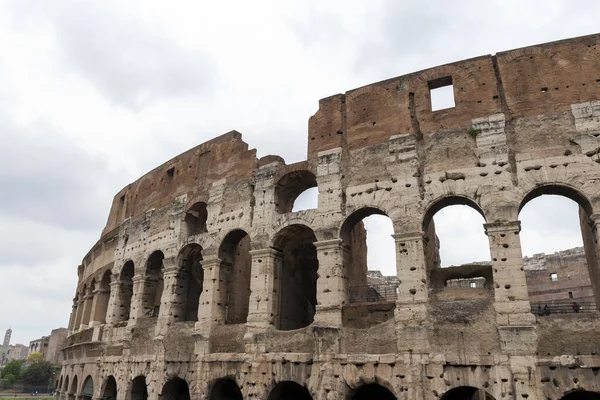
{"type": "Point", "coordinates": [236, 265]}
{"type": "Point", "coordinates": [153, 287]}
{"type": "Point", "coordinates": [87, 392]}
{"type": "Point", "coordinates": [548, 220]}
{"type": "Point", "coordinates": [195, 219]}
{"type": "Point", "coordinates": [103, 298]}
{"type": "Point", "coordinates": [175, 389]}
{"type": "Point", "coordinates": [65, 386]}
{"type": "Point", "coordinates": [59, 385]}
{"type": "Point", "coordinates": [372, 391]}
{"type": "Point", "coordinates": [138, 389]}
{"type": "Point", "coordinates": [225, 389]}
{"type": "Point", "coordinates": [110, 389]}
{"type": "Point", "coordinates": [190, 282]}
{"type": "Point", "coordinates": [290, 186]}
{"type": "Point", "coordinates": [467, 393]}
{"type": "Point", "coordinates": [581, 395]}
{"type": "Point", "coordinates": [125, 291]}
{"type": "Point", "coordinates": [298, 276]}
{"type": "Point", "coordinates": [289, 391]}
{"type": "Point", "coordinates": [72, 393]}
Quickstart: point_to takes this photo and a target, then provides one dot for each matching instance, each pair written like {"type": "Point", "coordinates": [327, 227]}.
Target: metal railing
{"type": "Point", "coordinates": [372, 293]}
{"type": "Point", "coordinates": [571, 307]}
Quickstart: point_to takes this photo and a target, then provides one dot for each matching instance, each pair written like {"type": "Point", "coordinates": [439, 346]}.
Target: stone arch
{"type": "Point", "coordinates": [580, 394]}
{"type": "Point", "coordinates": [88, 296]}
{"type": "Point", "coordinates": [109, 388]}
{"type": "Point", "coordinates": [590, 242]}
{"type": "Point", "coordinates": [65, 387]}
{"type": "Point", "coordinates": [289, 390]}
{"type": "Point", "coordinates": [290, 186]}
{"type": "Point", "coordinates": [236, 265]}
{"type": "Point", "coordinates": [73, 390]}
{"type": "Point", "coordinates": [225, 388]}
{"type": "Point", "coordinates": [371, 391]}
{"type": "Point", "coordinates": [87, 390]}
{"type": "Point", "coordinates": [297, 273]}
{"type": "Point", "coordinates": [195, 219]}
{"type": "Point", "coordinates": [138, 390]}
{"type": "Point", "coordinates": [153, 285]}
{"type": "Point", "coordinates": [125, 293]}
{"type": "Point", "coordinates": [466, 393]}
{"type": "Point", "coordinates": [175, 389]}
{"type": "Point", "coordinates": [190, 282]}
{"type": "Point", "coordinates": [59, 387]}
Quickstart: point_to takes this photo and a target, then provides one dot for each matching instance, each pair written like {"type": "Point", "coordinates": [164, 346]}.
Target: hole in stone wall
{"type": "Point", "coordinates": [441, 92]}
{"type": "Point", "coordinates": [195, 219]}
{"type": "Point", "coordinates": [289, 187]}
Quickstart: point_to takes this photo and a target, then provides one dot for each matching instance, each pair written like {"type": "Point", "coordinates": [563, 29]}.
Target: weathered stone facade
{"type": "Point", "coordinates": [206, 285]}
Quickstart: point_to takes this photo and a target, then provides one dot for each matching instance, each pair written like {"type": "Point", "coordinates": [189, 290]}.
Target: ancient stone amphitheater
{"type": "Point", "coordinates": [206, 285]}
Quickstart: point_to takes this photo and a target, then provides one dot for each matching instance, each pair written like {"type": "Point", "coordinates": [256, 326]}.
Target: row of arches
{"type": "Point", "coordinates": [228, 389]}
{"type": "Point", "coordinates": [297, 279]}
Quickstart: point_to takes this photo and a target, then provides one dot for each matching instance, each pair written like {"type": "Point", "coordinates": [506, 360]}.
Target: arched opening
{"type": "Point", "coordinates": [372, 391]}
{"type": "Point", "coordinates": [59, 385]}
{"type": "Point", "coordinates": [581, 395]}
{"type": "Point", "coordinates": [87, 392]}
{"type": "Point", "coordinates": [153, 287]}
{"type": "Point", "coordinates": [236, 264]}
{"type": "Point", "coordinates": [175, 389]}
{"type": "Point", "coordinates": [125, 291]}
{"type": "Point", "coordinates": [65, 386]}
{"type": "Point", "coordinates": [110, 389]}
{"type": "Point", "coordinates": [560, 251]}
{"type": "Point", "coordinates": [297, 276]}
{"type": "Point", "coordinates": [225, 389]}
{"type": "Point", "coordinates": [195, 219]}
{"type": "Point", "coordinates": [289, 391]}
{"type": "Point", "coordinates": [88, 302]}
{"type": "Point", "coordinates": [467, 393]}
{"type": "Point", "coordinates": [72, 393]}
{"type": "Point", "coordinates": [307, 200]}
{"type": "Point", "coordinates": [102, 298]}
{"type": "Point", "coordinates": [138, 390]}
{"type": "Point", "coordinates": [190, 283]}
{"type": "Point", "coordinates": [457, 250]}
{"type": "Point", "coordinates": [289, 187]}
{"type": "Point", "coordinates": [370, 256]}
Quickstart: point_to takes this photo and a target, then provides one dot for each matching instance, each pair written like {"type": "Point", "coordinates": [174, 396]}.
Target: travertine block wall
{"type": "Point", "coordinates": [524, 125]}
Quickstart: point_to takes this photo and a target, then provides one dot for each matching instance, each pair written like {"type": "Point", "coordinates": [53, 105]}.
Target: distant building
{"type": "Point", "coordinates": [50, 346]}
{"type": "Point", "coordinates": [18, 352]}
{"type": "Point", "coordinates": [5, 349]}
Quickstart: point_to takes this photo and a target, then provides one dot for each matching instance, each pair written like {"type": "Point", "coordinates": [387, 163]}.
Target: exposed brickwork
{"type": "Point", "coordinates": [524, 124]}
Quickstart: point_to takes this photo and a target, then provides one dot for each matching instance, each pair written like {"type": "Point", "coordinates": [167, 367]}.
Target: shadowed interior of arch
{"type": "Point", "coordinates": [175, 389]}
{"type": "Point", "coordinates": [371, 391]}
{"type": "Point", "coordinates": [559, 226]}
{"type": "Point", "coordinates": [153, 285]}
{"type": "Point", "coordinates": [581, 395]}
{"type": "Point", "coordinates": [189, 283]}
{"type": "Point", "coordinates": [289, 391]}
{"type": "Point", "coordinates": [138, 389]}
{"type": "Point", "coordinates": [87, 391]}
{"type": "Point", "coordinates": [110, 388]}
{"type": "Point", "coordinates": [125, 291]}
{"type": "Point", "coordinates": [297, 277]}
{"type": "Point", "coordinates": [289, 187]}
{"type": "Point", "coordinates": [467, 393]}
{"type": "Point", "coordinates": [225, 388]}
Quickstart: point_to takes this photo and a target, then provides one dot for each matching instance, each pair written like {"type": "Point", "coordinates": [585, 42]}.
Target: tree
{"type": "Point", "coordinates": [35, 358]}
{"type": "Point", "coordinates": [38, 373]}
{"type": "Point", "coordinates": [12, 368]}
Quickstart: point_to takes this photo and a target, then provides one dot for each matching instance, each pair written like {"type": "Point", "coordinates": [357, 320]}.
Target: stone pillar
{"type": "Point", "coordinates": [113, 313]}
{"type": "Point", "coordinates": [516, 323]}
{"type": "Point", "coordinates": [73, 316]}
{"type": "Point", "coordinates": [412, 294]}
{"type": "Point", "coordinates": [590, 231]}
{"type": "Point", "coordinates": [264, 296]}
{"type": "Point", "coordinates": [211, 311]}
{"type": "Point", "coordinates": [88, 301]}
{"type": "Point", "coordinates": [78, 312]}
{"type": "Point", "coordinates": [100, 306]}
{"type": "Point", "coordinates": [137, 301]}
{"type": "Point", "coordinates": [171, 301]}
{"type": "Point", "coordinates": [332, 284]}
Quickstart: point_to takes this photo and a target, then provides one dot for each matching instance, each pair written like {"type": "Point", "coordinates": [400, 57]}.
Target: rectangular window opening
{"type": "Point", "coordinates": [554, 277]}
{"type": "Point", "coordinates": [570, 295]}
{"type": "Point", "coordinates": [171, 172]}
{"type": "Point", "coordinates": [441, 91]}
{"type": "Point", "coordinates": [473, 285]}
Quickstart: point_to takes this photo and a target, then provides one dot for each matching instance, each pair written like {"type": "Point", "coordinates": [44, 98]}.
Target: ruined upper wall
{"type": "Point", "coordinates": [522, 84]}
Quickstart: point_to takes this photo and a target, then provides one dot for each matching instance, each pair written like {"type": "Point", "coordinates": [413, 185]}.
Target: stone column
{"type": "Point", "coordinates": [78, 312]}
{"type": "Point", "coordinates": [113, 313]}
{"type": "Point", "coordinates": [412, 294]}
{"type": "Point", "coordinates": [88, 301]}
{"type": "Point", "coordinates": [590, 231]}
{"type": "Point", "coordinates": [100, 306]}
{"type": "Point", "coordinates": [138, 309]}
{"type": "Point", "coordinates": [516, 323]}
{"type": "Point", "coordinates": [332, 284]}
{"type": "Point", "coordinates": [73, 316]}
{"type": "Point", "coordinates": [171, 298]}
{"type": "Point", "coordinates": [264, 296]}
{"type": "Point", "coordinates": [211, 311]}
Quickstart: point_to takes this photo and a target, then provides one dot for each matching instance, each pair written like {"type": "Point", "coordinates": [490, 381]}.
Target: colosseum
{"type": "Point", "coordinates": [205, 284]}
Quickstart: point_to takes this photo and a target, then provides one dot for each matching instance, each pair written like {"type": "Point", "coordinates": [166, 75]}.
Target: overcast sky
{"type": "Point", "coordinates": [95, 93]}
